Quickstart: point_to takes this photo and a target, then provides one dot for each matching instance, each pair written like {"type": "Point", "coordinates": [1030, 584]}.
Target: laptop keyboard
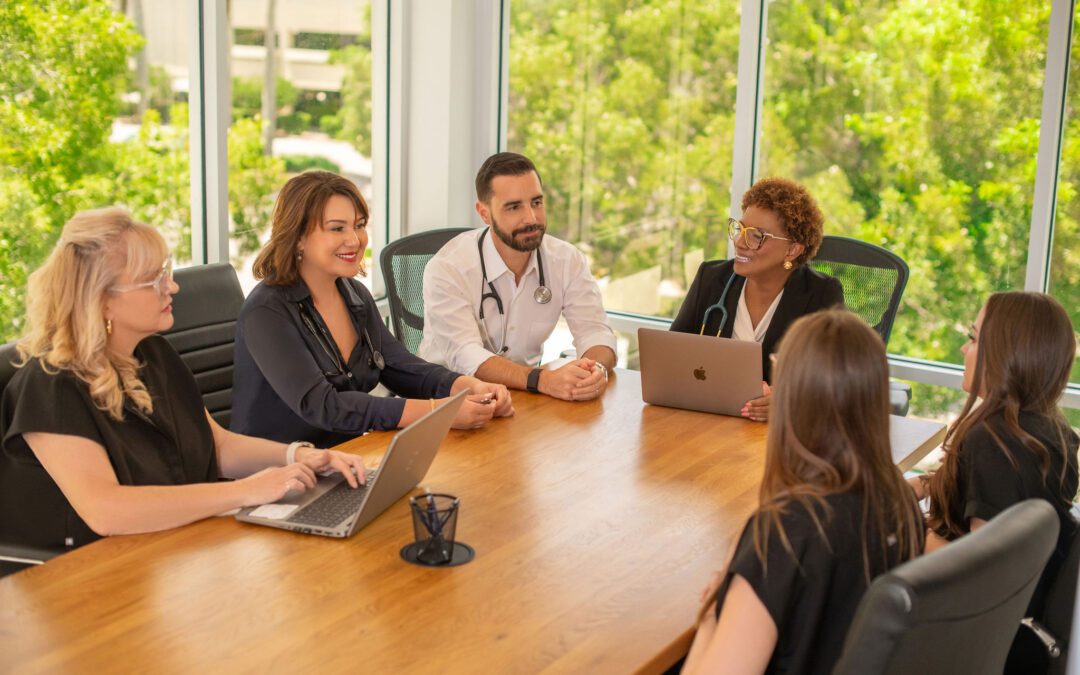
{"type": "Point", "coordinates": [335, 506]}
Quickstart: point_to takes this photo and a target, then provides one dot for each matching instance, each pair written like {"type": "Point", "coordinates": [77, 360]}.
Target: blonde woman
{"type": "Point", "coordinates": [103, 428]}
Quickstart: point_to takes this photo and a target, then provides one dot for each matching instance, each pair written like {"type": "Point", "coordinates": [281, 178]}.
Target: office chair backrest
{"type": "Point", "coordinates": [402, 263]}
{"type": "Point", "coordinates": [1062, 606]}
{"type": "Point", "coordinates": [204, 329]}
{"type": "Point", "coordinates": [955, 610]}
{"type": "Point", "coordinates": [7, 370]}
{"type": "Point", "coordinates": [14, 557]}
{"type": "Point", "coordinates": [873, 277]}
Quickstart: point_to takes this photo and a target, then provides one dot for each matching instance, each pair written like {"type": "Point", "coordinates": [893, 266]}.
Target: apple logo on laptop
{"type": "Point", "coordinates": [699, 373]}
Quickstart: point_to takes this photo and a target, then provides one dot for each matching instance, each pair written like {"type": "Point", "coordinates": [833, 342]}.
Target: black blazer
{"type": "Point", "coordinates": [806, 292]}
{"type": "Point", "coordinates": [287, 385]}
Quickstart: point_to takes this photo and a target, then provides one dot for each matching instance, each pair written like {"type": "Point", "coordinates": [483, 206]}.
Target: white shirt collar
{"type": "Point", "coordinates": [496, 266]}
{"type": "Point", "coordinates": [744, 328]}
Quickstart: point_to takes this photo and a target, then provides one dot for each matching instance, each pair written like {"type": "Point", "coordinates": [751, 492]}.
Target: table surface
{"type": "Point", "coordinates": [595, 525]}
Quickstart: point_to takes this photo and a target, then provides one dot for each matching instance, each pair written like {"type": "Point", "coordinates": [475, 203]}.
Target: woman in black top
{"type": "Point", "coordinates": [1016, 444]}
{"type": "Point", "coordinates": [834, 512]}
{"type": "Point", "coordinates": [310, 345]}
{"type": "Point", "coordinates": [103, 428]}
{"type": "Point", "coordinates": [767, 285]}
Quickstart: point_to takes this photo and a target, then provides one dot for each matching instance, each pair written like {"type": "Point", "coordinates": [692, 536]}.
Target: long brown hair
{"type": "Point", "coordinates": [298, 210]}
{"type": "Point", "coordinates": [1026, 348]}
{"type": "Point", "coordinates": [829, 434]}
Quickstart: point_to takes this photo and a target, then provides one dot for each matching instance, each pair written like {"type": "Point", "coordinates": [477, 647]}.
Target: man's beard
{"type": "Point", "coordinates": [511, 239]}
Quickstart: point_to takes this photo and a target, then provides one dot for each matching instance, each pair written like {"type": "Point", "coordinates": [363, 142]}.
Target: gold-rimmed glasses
{"type": "Point", "coordinates": [159, 284]}
{"type": "Point", "coordinates": [752, 237]}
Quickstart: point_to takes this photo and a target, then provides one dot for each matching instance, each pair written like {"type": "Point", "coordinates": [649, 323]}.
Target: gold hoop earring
{"type": "Point", "coordinates": [788, 265]}
{"type": "Point", "coordinates": [108, 326]}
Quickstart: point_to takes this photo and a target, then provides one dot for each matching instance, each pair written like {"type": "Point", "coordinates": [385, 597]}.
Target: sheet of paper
{"type": "Point", "coordinates": [274, 511]}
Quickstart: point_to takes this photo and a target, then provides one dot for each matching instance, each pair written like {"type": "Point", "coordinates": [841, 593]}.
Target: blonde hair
{"type": "Point", "coordinates": [66, 304]}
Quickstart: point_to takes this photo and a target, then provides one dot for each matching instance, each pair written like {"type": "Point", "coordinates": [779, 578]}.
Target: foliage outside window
{"type": "Point", "coordinates": [916, 125]}
{"type": "Point", "coordinates": [1065, 254]}
{"type": "Point", "coordinates": [627, 109]}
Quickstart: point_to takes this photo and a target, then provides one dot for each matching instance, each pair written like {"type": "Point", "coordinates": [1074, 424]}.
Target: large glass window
{"type": "Point", "coordinates": [315, 58]}
{"type": "Point", "coordinates": [91, 114]}
{"type": "Point", "coordinates": [1065, 254]}
{"type": "Point", "coordinates": [627, 109]}
{"type": "Point", "coordinates": [916, 125]}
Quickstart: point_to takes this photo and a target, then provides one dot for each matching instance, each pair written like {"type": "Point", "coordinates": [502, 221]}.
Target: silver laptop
{"type": "Point", "coordinates": [698, 372]}
{"type": "Point", "coordinates": [333, 509]}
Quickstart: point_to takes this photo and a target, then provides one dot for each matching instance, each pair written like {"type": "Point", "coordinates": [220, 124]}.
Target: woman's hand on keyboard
{"type": "Point", "coordinates": [324, 461]}
{"type": "Point", "coordinates": [270, 485]}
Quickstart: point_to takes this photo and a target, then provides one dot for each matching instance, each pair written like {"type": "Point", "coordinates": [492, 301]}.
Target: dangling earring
{"type": "Point", "coordinates": [788, 265]}
{"type": "Point", "coordinates": [299, 255]}
{"type": "Point", "coordinates": [108, 326]}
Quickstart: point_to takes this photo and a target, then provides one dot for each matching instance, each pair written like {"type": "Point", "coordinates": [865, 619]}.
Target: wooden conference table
{"type": "Point", "coordinates": [596, 525]}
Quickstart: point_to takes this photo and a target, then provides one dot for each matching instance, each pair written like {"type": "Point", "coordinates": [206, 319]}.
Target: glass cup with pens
{"type": "Point", "coordinates": [434, 523]}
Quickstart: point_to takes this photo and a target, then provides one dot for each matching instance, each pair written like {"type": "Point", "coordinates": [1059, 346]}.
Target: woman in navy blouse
{"type": "Point", "coordinates": [310, 344]}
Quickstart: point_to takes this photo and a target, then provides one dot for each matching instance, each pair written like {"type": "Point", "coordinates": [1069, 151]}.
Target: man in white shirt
{"type": "Point", "coordinates": [493, 295]}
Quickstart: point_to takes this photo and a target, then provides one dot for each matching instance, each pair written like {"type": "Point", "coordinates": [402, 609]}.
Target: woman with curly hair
{"type": "Point", "coordinates": [103, 428]}
{"type": "Point", "coordinates": [767, 285]}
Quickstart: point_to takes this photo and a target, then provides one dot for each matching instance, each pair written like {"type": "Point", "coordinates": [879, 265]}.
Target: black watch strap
{"type": "Point", "coordinates": [533, 383]}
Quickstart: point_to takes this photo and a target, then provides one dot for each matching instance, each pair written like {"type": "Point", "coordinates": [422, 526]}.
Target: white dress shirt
{"type": "Point", "coordinates": [453, 284]}
{"type": "Point", "coordinates": [744, 329]}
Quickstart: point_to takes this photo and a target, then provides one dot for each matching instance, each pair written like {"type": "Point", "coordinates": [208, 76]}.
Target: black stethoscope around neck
{"type": "Point", "coordinates": [542, 294]}
{"type": "Point", "coordinates": [322, 336]}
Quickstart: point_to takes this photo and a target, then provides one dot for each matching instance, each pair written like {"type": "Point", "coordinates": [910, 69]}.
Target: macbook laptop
{"type": "Point", "coordinates": [698, 372]}
{"type": "Point", "coordinates": [333, 509]}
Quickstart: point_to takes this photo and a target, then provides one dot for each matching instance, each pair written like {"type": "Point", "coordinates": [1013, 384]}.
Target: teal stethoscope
{"type": "Point", "coordinates": [720, 306]}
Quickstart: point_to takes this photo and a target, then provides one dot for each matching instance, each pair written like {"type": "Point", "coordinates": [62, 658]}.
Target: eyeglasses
{"type": "Point", "coordinates": [971, 336]}
{"type": "Point", "coordinates": [752, 237]}
{"type": "Point", "coordinates": [159, 284]}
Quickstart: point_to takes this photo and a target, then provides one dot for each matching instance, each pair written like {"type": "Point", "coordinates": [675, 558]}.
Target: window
{"type": "Point", "coordinates": [92, 112]}
{"type": "Point", "coordinates": [627, 109]}
{"type": "Point", "coordinates": [321, 116]}
{"type": "Point", "coordinates": [1065, 254]}
{"type": "Point", "coordinates": [916, 126]}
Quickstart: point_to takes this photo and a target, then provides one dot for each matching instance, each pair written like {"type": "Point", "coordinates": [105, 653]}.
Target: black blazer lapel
{"type": "Point", "coordinates": [793, 304]}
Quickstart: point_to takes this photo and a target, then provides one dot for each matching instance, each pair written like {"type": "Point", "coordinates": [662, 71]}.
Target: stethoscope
{"type": "Point", "coordinates": [542, 295]}
{"type": "Point", "coordinates": [720, 306]}
{"type": "Point", "coordinates": [330, 347]}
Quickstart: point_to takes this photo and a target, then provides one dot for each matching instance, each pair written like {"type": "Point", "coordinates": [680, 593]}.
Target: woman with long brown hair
{"type": "Point", "coordinates": [1011, 442]}
{"type": "Point", "coordinates": [833, 513]}
{"type": "Point", "coordinates": [310, 344]}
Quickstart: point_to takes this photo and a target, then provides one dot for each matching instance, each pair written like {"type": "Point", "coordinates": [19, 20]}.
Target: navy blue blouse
{"type": "Point", "coordinates": [292, 384]}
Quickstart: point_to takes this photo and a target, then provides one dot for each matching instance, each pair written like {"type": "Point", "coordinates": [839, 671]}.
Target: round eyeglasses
{"type": "Point", "coordinates": [160, 284]}
{"type": "Point", "coordinates": [752, 237]}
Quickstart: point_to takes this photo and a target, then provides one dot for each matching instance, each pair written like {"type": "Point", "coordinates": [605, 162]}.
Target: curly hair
{"type": "Point", "coordinates": [796, 209]}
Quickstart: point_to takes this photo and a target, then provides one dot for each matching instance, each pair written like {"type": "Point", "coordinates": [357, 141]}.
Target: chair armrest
{"type": "Point", "coordinates": [899, 398]}
{"type": "Point", "coordinates": [1053, 647]}
{"type": "Point", "coordinates": [27, 555]}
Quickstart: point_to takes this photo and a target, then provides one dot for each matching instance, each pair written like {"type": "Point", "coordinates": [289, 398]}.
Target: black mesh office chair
{"type": "Point", "coordinates": [874, 279]}
{"type": "Point", "coordinates": [204, 329]}
{"type": "Point", "coordinates": [403, 262]}
{"type": "Point", "coordinates": [955, 610]}
{"type": "Point", "coordinates": [14, 557]}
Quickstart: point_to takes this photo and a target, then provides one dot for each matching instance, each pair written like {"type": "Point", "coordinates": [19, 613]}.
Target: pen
{"type": "Point", "coordinates": [433, 517]}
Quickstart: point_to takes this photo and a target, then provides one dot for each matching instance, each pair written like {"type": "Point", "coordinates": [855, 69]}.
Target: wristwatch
{"type": "Point", "coordinates": [533, 383]}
